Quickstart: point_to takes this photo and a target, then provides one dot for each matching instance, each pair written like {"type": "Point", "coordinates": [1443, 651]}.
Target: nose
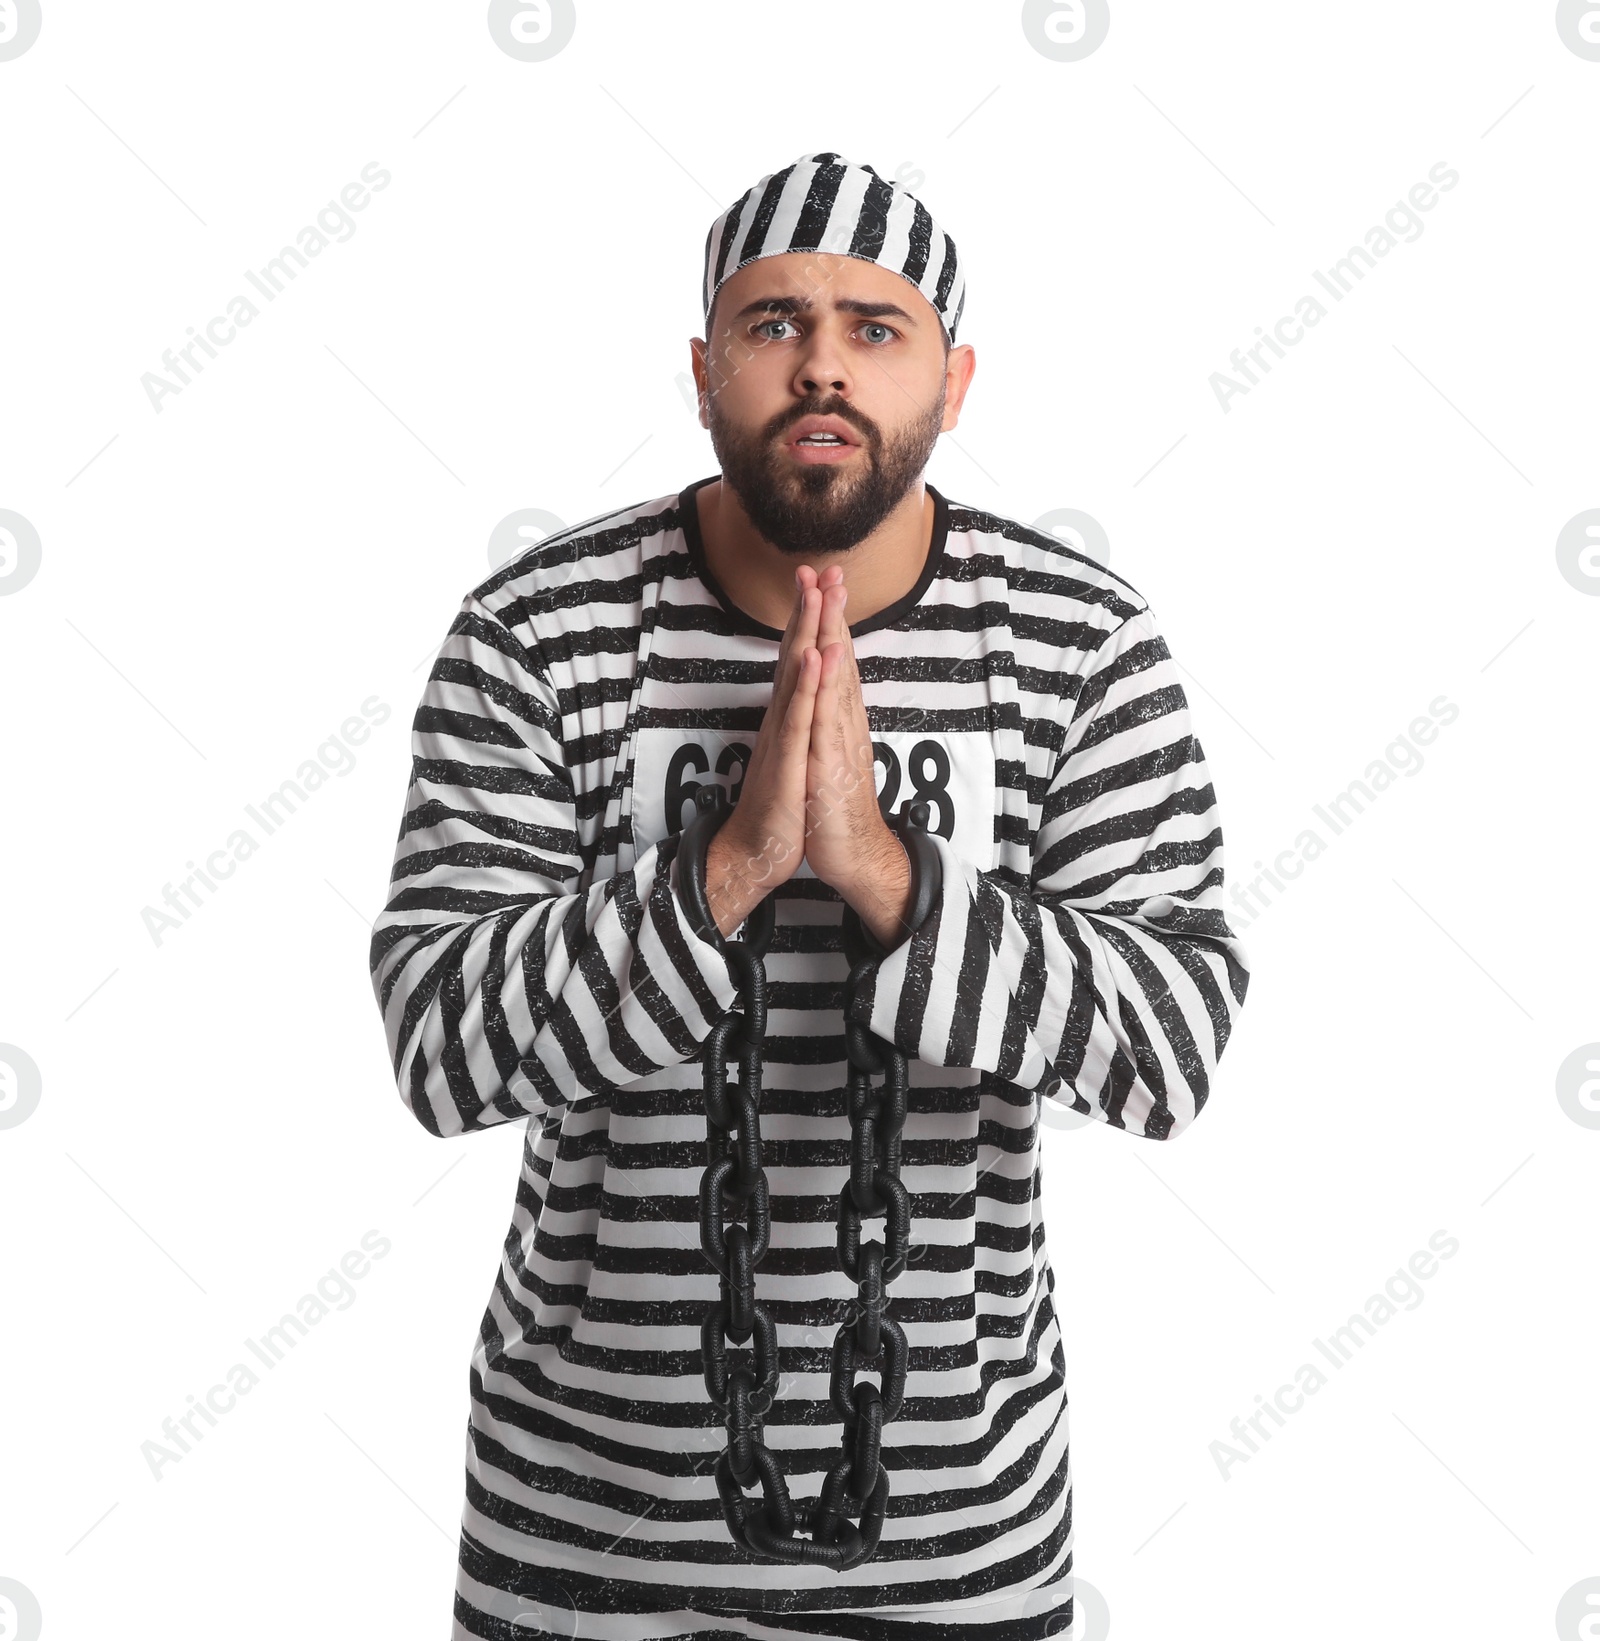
{"type": "Point", "coordinates": [821, 364]}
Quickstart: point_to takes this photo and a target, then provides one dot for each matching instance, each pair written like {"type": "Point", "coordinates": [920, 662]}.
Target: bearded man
{"type": "Point", "coordinates": [808, 774]}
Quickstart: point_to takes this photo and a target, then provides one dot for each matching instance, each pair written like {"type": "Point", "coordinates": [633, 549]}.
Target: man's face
{"type": "Point", "coordinates": [809, 335]}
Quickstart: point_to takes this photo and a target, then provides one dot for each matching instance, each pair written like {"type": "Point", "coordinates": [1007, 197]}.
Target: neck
{"type": "Point", "coordinates": [879, 570]}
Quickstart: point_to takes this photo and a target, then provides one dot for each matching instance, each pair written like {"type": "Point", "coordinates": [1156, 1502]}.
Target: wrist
{"type": "Point", "coordinates": [738, 878]}
{"type": "Point", "coordinates": [879, 889]}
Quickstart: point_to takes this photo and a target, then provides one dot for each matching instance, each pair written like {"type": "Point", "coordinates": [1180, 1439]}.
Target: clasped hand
{"type": "Point", "coordinates": [810, 790]}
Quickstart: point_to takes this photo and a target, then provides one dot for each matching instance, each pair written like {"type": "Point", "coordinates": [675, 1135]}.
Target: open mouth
{"type": "Point", "coordinates": [820, 445]}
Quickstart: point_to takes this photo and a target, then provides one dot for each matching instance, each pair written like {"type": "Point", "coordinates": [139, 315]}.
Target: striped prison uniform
{"type": "Point", "coordinates": [535, 964]}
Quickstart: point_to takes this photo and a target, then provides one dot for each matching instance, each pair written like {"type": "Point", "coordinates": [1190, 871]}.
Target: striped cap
{"type": "Point", "coordinates": [824, 203]}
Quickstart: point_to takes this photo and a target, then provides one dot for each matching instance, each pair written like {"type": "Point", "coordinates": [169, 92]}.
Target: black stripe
{"type": "Point", "coordinates": [921, 237]}
{"type": "Point", "coordinates": [975, 953]}
{"type": "Point", "coordinates": [730, 231]}
{"type": "Point", "coordinates": [947, 275]}
{"type": "Point", "coordinates": [818, 207]}
{"type": "Point", "coordinates": [872, 226]}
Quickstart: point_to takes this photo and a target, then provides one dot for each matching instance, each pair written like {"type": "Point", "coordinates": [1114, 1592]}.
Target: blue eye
{"type": "Point", "coordinates": [871, 324]}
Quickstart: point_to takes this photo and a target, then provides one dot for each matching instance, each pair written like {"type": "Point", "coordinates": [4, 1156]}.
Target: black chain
{"type": "Point", "coordinates": [858, 1483]}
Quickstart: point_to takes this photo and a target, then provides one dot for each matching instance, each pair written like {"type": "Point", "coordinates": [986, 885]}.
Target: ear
{"type": "Point", "coordinates": [697, 363]}
{"type": "Point", "coordinates": [957, 379]}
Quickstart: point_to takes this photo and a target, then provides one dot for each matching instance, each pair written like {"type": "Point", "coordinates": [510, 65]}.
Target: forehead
{"type": "Point", "coordinates": [824, 279]}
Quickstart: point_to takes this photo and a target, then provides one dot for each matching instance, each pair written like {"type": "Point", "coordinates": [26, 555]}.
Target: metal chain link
{"type": "Point", "coordinates": [734, 1178]}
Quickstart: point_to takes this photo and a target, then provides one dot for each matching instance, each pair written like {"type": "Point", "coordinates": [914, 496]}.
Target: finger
{"type": "Point", "coordinates": [781, 668]}
{"type": "Point", "coordinates": [830, 626]}
{"type": "Point", "coordinates": [795, 742]}
{"type": "Point", "coordinates": [802, 631]}
{"type": "Point", "coordinates": [825, 714]}
{"type": "Point", "coordinates": [795, 738]}
{"type": "Point", "coordinates": [805, 579]}
{"type": "Point", "coordinates": [853, 732]}
{"type": "Point", "coordinates": [805, 685]}
{"type": "Point", "coordinates": [851, 674]}
{"type": "Point", "coordinates": [809, 618]}
{"type": "Point", "coordinates": [794, 616]}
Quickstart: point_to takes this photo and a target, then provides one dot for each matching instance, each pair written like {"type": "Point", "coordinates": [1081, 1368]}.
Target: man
{"type": "Point", "coordinates": [824, 636]}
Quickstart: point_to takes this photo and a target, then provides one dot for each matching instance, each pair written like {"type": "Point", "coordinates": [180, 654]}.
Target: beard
{"type": "Point", "coordinates": [821, 507]}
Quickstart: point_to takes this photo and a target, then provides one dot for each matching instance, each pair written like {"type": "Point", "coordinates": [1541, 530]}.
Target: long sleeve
{"type": "Point", "coordinates": [508, 981]}
{"type": "Point", "coordinates": [1111, 980]}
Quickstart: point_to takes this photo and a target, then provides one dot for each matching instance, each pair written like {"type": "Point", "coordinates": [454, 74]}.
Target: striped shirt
{"type": "Point", "coordinates": [535, 961]}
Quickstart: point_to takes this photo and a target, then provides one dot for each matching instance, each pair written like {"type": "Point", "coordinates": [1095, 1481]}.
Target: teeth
{"type": "Point", "coordinates": [820, 438]}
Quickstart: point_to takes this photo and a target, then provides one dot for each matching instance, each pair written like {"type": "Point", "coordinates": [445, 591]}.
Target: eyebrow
{"type": "Point", "coordinates": [846, 304]}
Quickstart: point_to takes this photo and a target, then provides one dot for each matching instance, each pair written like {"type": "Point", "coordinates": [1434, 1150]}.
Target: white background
{"type": "Point", "coordinates": [223, 582]}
